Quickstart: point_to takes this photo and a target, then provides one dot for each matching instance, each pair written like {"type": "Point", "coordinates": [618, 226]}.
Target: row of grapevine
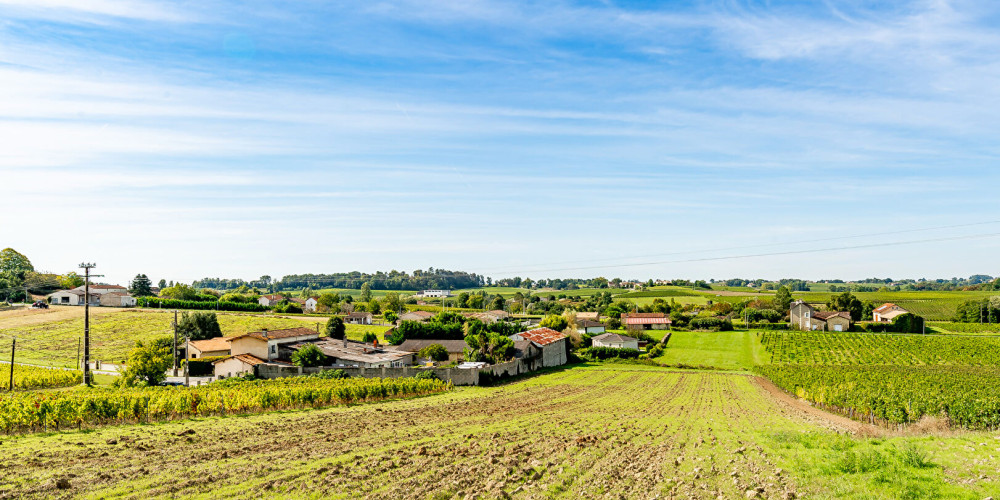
{"type": "Point", "coordinates": [825, 348]}
{"type": "Point", "coordinates": [34, 411]}
{"type": "Point", "coordinates": [969, 397]}
{"type": "Point", "coordinates": [37, 377]}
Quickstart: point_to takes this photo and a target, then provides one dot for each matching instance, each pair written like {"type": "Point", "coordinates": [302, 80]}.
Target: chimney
{"type": "Point", "coordinates": [345, 339]}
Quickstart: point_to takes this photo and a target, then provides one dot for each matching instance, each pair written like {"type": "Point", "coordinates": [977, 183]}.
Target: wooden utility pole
{"type": "Point", "coordinates": [86, 321]}
{"type": "Point", "coordinates": [187, 361]}
{"type": "Point", "coordinates": [175, 342]}
{"type": "Point", "coordinates": [13, 346]}
{"type": "Point", "coordinates": [78, 340]}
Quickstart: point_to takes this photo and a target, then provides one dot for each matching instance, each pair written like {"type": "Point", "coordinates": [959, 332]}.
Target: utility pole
{"type": "Point", "coordinates": [187, 362]}
{"type": "Point", "coordinates": [86, 321]}
{"type": "Point", "coordinates": [175, 343]}
{"type": "Point", "coordinates": [78, 352]}
{"type": "Point", "coordinates": [13, 346]}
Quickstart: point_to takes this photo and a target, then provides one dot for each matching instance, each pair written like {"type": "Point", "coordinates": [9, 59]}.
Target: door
{"type": "Point", "coordinates": [838, 328]}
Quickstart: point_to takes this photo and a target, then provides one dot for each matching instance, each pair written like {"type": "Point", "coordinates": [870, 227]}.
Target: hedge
{"type": "Point", "coordinates": [769, 326]}
{"type": "Point", "coordinates": [717, 324]}
{"type": "Point", "coordinates": [156, 302]}
{"type": "Point", "coordinates": [609, 352]}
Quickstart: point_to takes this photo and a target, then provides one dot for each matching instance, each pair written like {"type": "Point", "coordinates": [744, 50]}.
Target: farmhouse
{"type": "Point", "coordinates": [553, 345]}
{"type": "Point", "coordinates": [805, 317]}
{"type": "Point", "coordinates": [270, 300]}
{"type": "Point", "coordinates": [646, 321]}
{"type": "Point", "coordinates": [887, 312]}
{"type": "Point", "coordinates": [73, 298]}
{"type": "Point", "coordinates": [270, 344]}
{"type": "Point", "coordinates": [235, 366]}
{"type": "Point", "coordinates": [455, 348]}
{"type": "Point", "coordinates": [586, 326]}
{"type": "Point", "coordinates": [117, 299]}
{"type": "Point", "coordinates": [416, 316]}
{"type": "Point", "coordinates": [347, 353]}
{"type": "Point", "coordinates": [434, 293]}
{"type": "Point", "coordinates": [218, 346]}
{"type": "Point", "coordinates": [358, 318]}
{"type": "Point", "coordinates": [616, 341]}
{"type": "Point", "coordinates": [309, 305]}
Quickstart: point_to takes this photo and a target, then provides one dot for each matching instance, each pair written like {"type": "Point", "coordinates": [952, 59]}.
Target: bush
{"type": "Point", "coordinates": [436, 352]}
{"type": "Point", "coordinates": [557, 323]}
{"type": "Point", "coordinates": [369, 337]}
{"type": "Point", "coordinates": [335, 328]}
{"type": "Point", "coordinates": [331, 374]}
{"type": "Point", "coordinates": [714, 324]}
{"type": "Point", "coordinates": [199, 325]}
{"type": "Point", "coordinates": [288, 307]}
{"type": "Point", "coordinates": [309, 355]}
{"type": "Point", "coordinates": [768, 326]}
{"type": "Point", "coordinates": [427, 375]}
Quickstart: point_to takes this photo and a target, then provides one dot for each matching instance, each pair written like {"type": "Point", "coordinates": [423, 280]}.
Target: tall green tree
{"type": "Point", "coordinates": [199, 325]}
{"type": "Point", "coordinates": [847, 302]}
{"type": "Point", "coordinates": [70, 280]}
{"type": "Point", "coordinates": [335, 328]}
{"type": "Point", "coordinates": [782, 299]}
{"type": "Point", "coordinates": [162, 284]}
{"type": "Point", "coordinates": [557, 323]}
{"type": "Point", "coordinates": [14, 268]}
{"type": "Point", "coordinates": [366, 292]}
{"type": "Point", "coordinates": [309, 355]}
{"type": "Point", "coordinates": [141, 286]}
{"type": "Point", "coordinates": [147, 364]}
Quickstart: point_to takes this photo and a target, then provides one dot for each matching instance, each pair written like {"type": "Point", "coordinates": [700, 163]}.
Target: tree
{"type": "Point", "coordinates": [390, 316]}
{"type": "Point", "coordinates": [490, 347]}
{"type": "Point", "coordinates": [179, 291]}
{"type": "Point", "coordinates": [366, 292]}
{"type": "Point", "coordinates": [557, 323]}
{"type": "Point", "coordinates": [147, 364]}
{"type": "Point", "coordinates": [309, 355]}
{"type": "Point", "coordinates": [162, 284]}
{"type": "Point", "coordinates": [70, 280]}
{"type": "Point", "coordinates": [335, 328]}
{"type": "Point", "coordinates": [141, 286]}
{"type": "Point", "coordinates": [14, 268]}
{"type": "Point", "coordinates": [199, 325]}
{"type": "Point", "coordinates": [392, 302]}
{"type": "Point", "coordinates": [847, 302]}
{"type": "Point", "coordinates": [435, 352]}
{"type": "Point", "coordinates": [373, 307]}
{"type": "Point", "coordinates": [783, 299]}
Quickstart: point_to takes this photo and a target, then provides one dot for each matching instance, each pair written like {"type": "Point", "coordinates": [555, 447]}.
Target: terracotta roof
{"type": "Point", "coordinates": [272, 297]}
{"type": "Point", "coordinates": [249, 359]}
{"type": "Point", "coordinates": [645, 319]}
{"type": "Point", "coordinates": [886, 307]}
{"type": "Point", "coordinates": [214, 344]}
{"type": "Point", "coordinates": [278, 334]}
{"type": "Point", "coordinates": [587, 315]}
{"type": "Point", "coordinates": [423, 314]}
{"type": "Point", "coordinates": [358, 314]}
{"type": "Point", "coordinates": [103, 287]}
{"type": "Point", "coordinates": [542, 336]}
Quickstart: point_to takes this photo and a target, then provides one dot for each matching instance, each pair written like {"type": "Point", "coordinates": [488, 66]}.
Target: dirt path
{"type": "Point", "coordinates": [817, 416]}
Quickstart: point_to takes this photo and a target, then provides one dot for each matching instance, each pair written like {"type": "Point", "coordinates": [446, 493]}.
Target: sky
{"type": "Point", "coordinates": [546, 139]}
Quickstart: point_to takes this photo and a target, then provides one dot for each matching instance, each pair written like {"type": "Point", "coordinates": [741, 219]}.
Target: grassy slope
{"type": "Point", "coordinates": [115, 331]}
{"type": "Point", "coordinates": [580, 432]}
{"type": "Point", "coordinates": [726, 350]}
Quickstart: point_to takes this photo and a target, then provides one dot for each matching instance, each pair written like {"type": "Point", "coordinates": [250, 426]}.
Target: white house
{"type": "Point", "coordinates": [270, 300]}
{"type": "Point", "coordinates": [265, 344]}
{"type": "Point", "coordinates": [616, 341]}
{"type": "Point", "coordinates": [310, 304]}
{"type": "Point", "coordinates": [434, 293]}
{"type": "Point", "coordinates": [887, 312]}
{"type": "Point", "coordinates": [235, 366]}
{"type": "Point", "coordinates": [358, 318]}
{"type": "Point", "coordinates": [73, 298]}
{"type": "Point", "coordinates": [586, 326]}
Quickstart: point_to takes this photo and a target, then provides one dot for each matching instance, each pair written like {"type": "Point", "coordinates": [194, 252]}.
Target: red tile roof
{"type": "Point", "coordinates": [213, 344]}
{"type": "Point", "coordinates": [645, 319]}
{"type": "Point", "coordinates": [825, 315]}
{"type": "Point", "coordinates": [542, 336]}
{"type": "Point", "coordinates": [885, 307]}
{"type": "Point", "coordinates": [249, 359]}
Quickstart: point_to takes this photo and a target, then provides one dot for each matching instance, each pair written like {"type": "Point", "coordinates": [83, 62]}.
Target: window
{"type": "Point", "coordinates": [274, 349]}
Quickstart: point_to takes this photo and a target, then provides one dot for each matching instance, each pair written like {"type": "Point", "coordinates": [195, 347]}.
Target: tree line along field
{"type": "Point", "coordinates": [591, 432]}
{"type": "Point", "coordinates": [115, 331]}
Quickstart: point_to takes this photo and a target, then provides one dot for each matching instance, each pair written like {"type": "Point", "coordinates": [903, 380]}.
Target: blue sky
{"type": "Point", "coordinates": [193, 139]}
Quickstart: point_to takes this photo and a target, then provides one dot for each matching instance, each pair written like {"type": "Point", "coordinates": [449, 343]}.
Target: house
{"type": "Point", "coordinates": [887, 312]}
{"type": "Point", "coordinates": [218, 346]}
{"type": "Point", "coordinates": [360, 354]}
{"type": "Point", "coordinates": [586, 326]}
{"type": "Point", "coordinates": [434, 293]}
{"type": "Point", "coordinates": [270, 344]}
{"type": "Point", "coordinates": [117, 299]}
{"type": "Point", "coordinates": [554, 345]}
{"type": "Point", "coordinates": [310, 304]}
{"type": "Point", "coordinates": [270, 300]}
{"type": "Point", "coordinates": [490, 316]}
{"type": "Point", "coordinates": [103, 289]}
{"type": "Point", "coordinates": [73, 297]}
{"type": "Point", "coordinates": [646, 321]}
{"type": "Point", "coordinates": [358, 318]}
{"type": "Point", "coordinates": [416, 316]}
{"type": "Point", "coordinates": [455, 348]}
{"type": "Point", "coordinates": [616, 341]}
{"type": "Point", "coordinates": [805, 317]}
{"type": "Point", "coordinates": [235, 366]}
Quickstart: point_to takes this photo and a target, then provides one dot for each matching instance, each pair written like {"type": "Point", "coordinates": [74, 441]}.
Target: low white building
{"type": "Point", "coordinates": [588, 327]}
{"type": "Point", "coordinates": [616, 341]}
{"type": "Point", "coordinates": [310, 304]}
{"type": "Point", "coordinates": [434, 293]}
{"type": "Point", "coordinates": [235, 366]}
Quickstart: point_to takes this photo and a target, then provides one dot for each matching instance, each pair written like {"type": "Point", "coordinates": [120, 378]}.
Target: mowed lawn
{"type": "Point", "coordinates": [581, 432]}
{"type": "Point", "coordinates": [51, 337]}
{"type": "Point", "coordinates": [720, 350]}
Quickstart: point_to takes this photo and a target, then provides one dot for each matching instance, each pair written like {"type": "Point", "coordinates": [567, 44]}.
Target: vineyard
{"type": "Point", "coordinates": [35, 377]}
{"type": "Point", "coordinates": [820, 348]}
{"type": "Point", "coordinates": [968, 396]}
{"type": "Point", "coordinates": [601, 432]}
{"type": "Point", "coordinates": [966, 328]}
{"type": "Point", "coordinates": [36, 411]}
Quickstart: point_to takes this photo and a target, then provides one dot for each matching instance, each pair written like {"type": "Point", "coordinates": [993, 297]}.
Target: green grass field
{"type": "Point", "coordinates": [583, 432]}
{"type": "Point", "coordinates": [721, 350]}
